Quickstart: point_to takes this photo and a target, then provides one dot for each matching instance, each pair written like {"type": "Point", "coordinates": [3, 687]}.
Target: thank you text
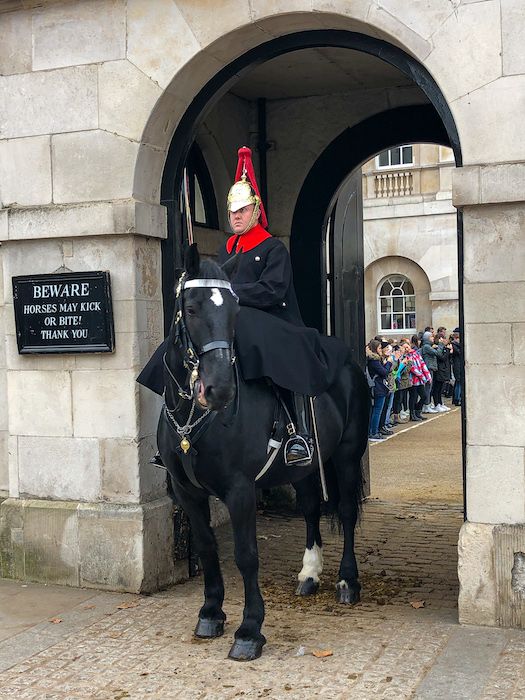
{"type": "Point", "coordinates": [67, 312]}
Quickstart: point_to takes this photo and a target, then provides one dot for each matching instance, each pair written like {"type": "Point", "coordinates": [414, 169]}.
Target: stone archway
{"type": "Point", "coordinates": [408, 124]}
{"type": "Point", "coordinates": [432, 122]}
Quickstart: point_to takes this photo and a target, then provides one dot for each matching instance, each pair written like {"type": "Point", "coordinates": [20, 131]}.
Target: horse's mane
{"type": "Point", "coordinates": [209, 269]}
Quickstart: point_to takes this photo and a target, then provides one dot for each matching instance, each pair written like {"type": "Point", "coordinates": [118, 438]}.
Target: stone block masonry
{"type": "Point", "coordinates": [93, 545]}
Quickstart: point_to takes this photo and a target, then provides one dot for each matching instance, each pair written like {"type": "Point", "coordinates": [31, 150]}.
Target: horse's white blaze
{"type": "Point", "coordinates": [312, 564]}
{"type": "Point", "coordinates": [216, 297]}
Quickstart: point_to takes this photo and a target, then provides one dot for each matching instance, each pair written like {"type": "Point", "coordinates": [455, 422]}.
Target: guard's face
{"type": "Point", "coordinates": [240, 219]}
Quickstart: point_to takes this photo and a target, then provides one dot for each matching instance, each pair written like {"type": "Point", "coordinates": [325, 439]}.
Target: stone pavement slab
{"type": "Point", "coordinates": [465, 666]}
{"type": "Point", "coordinates": [22, 604]}
{"type": "Point", "coordinates": [34, 616]}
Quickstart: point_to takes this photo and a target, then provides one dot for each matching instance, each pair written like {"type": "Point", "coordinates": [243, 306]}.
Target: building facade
{"type": "Point", "coordinates": [410, 241]}
{"type": "Point", "coordinates": [100, 102]}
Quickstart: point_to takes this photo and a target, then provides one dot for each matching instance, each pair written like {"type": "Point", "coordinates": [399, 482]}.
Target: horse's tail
{"type": "Point", "coordinates": [330, 508]}
{"type": "Point", "coordinates": [354, 496]}
{"type": "Point", "coordinates": [344, 472]}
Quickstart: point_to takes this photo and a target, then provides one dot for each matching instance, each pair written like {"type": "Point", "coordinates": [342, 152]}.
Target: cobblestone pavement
{"type": "Point", "coordinates": [401, 641]}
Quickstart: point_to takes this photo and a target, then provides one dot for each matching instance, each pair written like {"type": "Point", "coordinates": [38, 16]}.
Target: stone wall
{"type": "Point", "coordinates": [80, 429]}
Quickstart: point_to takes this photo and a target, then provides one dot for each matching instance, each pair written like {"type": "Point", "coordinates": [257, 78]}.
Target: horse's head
{"type": "Point", "coordinates": [204, 326]}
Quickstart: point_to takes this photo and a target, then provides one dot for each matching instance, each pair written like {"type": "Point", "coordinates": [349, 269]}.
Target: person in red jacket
{"type": "Point", "coordinates": [419, 376]}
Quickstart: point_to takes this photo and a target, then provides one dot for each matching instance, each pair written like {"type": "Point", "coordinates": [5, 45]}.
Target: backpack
{"type": "Point", "coordinates": [371, 382]}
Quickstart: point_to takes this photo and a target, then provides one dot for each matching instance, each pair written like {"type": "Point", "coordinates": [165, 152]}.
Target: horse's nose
{"type": "Point", "coordinates": [218, 396]}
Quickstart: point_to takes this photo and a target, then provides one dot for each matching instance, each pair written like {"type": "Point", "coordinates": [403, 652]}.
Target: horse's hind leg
{"type": "Point", "coordinates": [308, 496]}
{"type": "Point", "coordinates": [211, 616]}
{"type": "Point", "coordinates": [348, 468]}
{"type": "Point", "coordinates": [241, 503]}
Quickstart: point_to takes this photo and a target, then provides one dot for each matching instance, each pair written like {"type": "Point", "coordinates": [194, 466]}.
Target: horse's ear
{"type": "Point", "coordinates": [231, 265]}
{"type": "Point", "coordinates": [192, 261]}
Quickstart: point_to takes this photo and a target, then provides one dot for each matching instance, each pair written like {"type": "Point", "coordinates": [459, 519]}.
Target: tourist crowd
{"type": "Point", "coordinates": [410, 377]}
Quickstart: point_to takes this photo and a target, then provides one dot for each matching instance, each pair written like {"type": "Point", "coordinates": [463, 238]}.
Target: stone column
{"type": "Point", "coordinates": [4, 473]}
{"type": "Point", "coordinates": [85, 508]}
{"type": "Point", "coordinates": [492, 540]}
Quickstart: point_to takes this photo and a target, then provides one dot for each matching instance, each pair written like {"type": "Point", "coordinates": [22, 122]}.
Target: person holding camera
{"type": "Point", "coordinates": [401, 371]}
{"type": "Point", "coordinates": [419, 376]}
{"type": "Point", "coordinates": [457, 366]}
{"type": "Point", "coordinates": [384, 422]}
{"type": "Point", "coordinates": [442, 374]}
{"type": "Point", "coordinates": [430, 356]}
{"type": "Point", "coordinates": [378, 367]}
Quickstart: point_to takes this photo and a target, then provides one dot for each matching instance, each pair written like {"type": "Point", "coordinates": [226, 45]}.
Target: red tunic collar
{"type": "Point", "coordinates": [248, 240]}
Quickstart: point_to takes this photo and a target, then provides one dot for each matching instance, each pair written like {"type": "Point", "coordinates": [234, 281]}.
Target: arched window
{"type": "Point", "coordinates": [396, 304]}
{"type": "Point", "coordinates": [202, 196]}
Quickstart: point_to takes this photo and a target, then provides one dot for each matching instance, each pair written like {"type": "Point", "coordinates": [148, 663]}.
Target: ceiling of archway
{"type": "Point", "coordinates": [318, 71]}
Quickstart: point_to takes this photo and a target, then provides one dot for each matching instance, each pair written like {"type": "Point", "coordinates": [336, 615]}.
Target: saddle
{"type": "Point", "coordinates": [283, 426]}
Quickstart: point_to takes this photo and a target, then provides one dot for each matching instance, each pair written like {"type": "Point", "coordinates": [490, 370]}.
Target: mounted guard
{"type": "Point", "coordinates": [272, 341]}
{"type": "Point", "coordinates": [237, 333]}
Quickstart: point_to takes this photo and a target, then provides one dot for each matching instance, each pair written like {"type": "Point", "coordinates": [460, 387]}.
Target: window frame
{"type": "Point", "coordinates": [391, 313]}
{"type": "Point", "coordinates": [398, 166]}
{"type": "Point", "coordinates": [196, 168]}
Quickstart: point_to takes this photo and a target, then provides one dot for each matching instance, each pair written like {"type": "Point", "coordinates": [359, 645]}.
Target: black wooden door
{"type": "Point", "coordinates": [345, 247]}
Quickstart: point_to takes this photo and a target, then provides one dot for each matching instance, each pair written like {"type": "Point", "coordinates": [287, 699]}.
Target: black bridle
{"type": "Point", "coordinates": [190, 354]}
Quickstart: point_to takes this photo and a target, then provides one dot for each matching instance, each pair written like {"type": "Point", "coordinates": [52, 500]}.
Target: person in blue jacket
{"type": "Point", "coordinates": [378, 368]}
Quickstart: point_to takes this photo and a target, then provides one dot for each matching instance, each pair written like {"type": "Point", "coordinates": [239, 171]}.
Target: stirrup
{"type": "Point", "coordinates": [301, 461]}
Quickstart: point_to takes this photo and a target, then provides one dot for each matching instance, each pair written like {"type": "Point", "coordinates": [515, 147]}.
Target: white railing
{"type": "Point", "coordinates": [393, 184]}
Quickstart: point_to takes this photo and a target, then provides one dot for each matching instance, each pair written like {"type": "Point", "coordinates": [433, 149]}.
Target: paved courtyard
{"type": "Point", "coordinates": [402, 641]}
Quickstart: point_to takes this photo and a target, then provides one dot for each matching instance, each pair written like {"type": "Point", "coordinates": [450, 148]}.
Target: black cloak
{"type": "Point", "coordinates": [271, 339]}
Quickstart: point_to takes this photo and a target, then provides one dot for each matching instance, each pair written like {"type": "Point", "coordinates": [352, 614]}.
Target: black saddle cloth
{"type": "Point", "coordinates": [293, 357]}
{"type": "Point", "coordinates": [296, 358]}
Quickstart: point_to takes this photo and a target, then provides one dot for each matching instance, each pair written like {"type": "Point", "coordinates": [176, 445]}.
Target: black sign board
{"type": "Point", "coordinates": [64, 312]}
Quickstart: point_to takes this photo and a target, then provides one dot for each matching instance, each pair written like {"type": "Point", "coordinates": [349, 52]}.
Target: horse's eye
{"type": "Point", "coordinates": [190, 311]}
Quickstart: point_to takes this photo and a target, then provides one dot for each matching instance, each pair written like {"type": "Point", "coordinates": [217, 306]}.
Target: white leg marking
{"type": "Point", "coordinates": [216, 297]}
{"type": "Point", "coordinates": [342, 584]}
{"type": "Point", "coordinates": [312, 564]}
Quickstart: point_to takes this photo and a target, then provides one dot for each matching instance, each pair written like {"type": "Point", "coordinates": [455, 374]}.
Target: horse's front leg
{"type": "Point", "coordinates": [241, 504]}
{"type": "Point", "coordinates": [211, 616]}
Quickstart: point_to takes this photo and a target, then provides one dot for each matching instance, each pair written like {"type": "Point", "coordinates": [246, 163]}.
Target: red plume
{"type": "Point", "coordinates": [245, 164]}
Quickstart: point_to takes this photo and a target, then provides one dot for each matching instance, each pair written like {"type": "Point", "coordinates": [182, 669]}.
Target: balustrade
{"type": "Point", "coordinates": [393, 184]}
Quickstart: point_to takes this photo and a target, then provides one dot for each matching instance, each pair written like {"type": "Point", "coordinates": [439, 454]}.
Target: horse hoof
{"type": "Point", "coordinates": [307, 587]}
{"type": "Point", "coordinates": [346, 595]}
{"type": "Point", "coordinates": [208, 629]}
{"type": "Point", "coordinates": [246, 649]}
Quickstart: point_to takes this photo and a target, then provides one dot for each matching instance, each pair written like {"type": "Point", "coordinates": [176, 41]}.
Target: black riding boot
{"type": "Point", "coordinates": [298, 450]}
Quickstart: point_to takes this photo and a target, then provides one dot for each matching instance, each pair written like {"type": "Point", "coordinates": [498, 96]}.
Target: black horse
{"type": "Point", "coordinates": [213, 438]}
